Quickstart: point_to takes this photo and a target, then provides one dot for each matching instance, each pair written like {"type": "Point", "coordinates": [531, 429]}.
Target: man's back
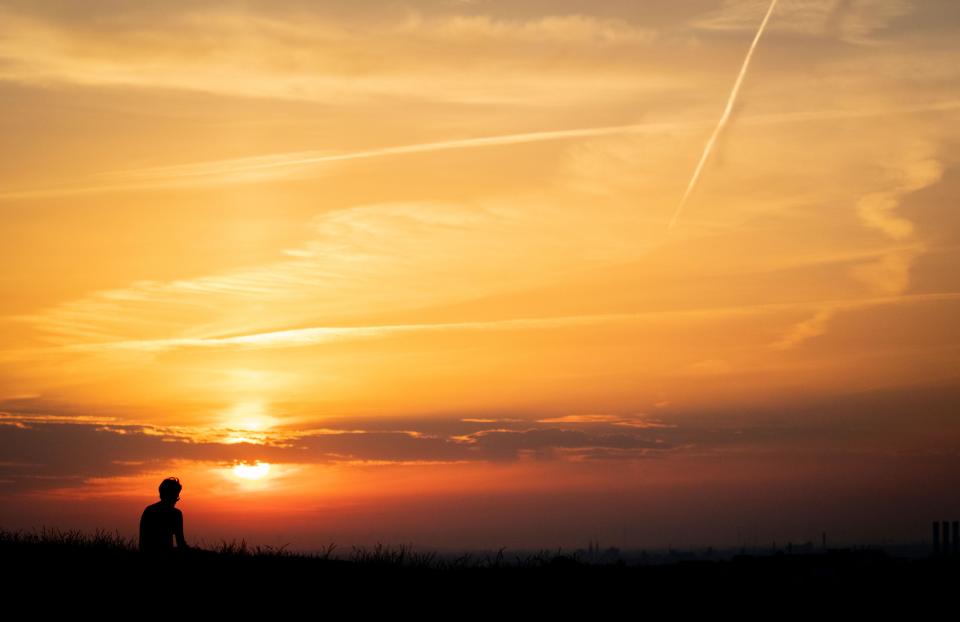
{"type": "Point", "coordinates": [159, 524]}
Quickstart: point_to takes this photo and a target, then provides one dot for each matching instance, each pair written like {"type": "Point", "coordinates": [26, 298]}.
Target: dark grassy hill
{"type": "Point", "coordinates": [88, 568]}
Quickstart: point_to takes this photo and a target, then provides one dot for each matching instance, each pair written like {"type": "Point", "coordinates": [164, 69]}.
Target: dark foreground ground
{"type": "Point", "coordinates": [101, 572]}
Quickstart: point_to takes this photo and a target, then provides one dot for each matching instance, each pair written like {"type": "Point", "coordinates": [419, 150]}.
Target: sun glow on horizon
{"type": "Point", "coordinates": [256, 471]}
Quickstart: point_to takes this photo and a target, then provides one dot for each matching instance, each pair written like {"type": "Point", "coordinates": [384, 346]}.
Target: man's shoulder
{"type": "Point", "coordinates": [162, 508]}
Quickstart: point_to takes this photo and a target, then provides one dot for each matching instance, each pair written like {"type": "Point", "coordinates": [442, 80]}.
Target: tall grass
{"type": "Point", "coordinates": [100, 540]}
{"type": "Point", "coordinates": [52, 541]}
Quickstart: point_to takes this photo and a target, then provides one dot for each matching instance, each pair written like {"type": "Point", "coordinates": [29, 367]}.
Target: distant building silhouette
{"type": "Point", "coordinates": [955, 538]}
{"type": "Point", "coordinates": [946, 538]}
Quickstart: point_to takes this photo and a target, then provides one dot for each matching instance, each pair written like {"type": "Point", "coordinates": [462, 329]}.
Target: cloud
{"type": "Point", "coordinates": [361, 260]}
{"type": "Point", "coordinates": [565, 29]}
{"type": "Point", "coordinates": [312, 336]}
{"type": "Point", "coordinates": [807, 329]}
{"type": "Point", "coordinates": [543, 442]}
{"type": "Point", "coordinates": [44, 451]}
{"type": "Point", "coordinates": [591, 157]}
{"type": "Point", "coordinates": [630, 421]}
{"type": "Point", "coordinates": [854, 21]}
{"type": "Point", "coordinates": [300, 55]}
{"type": "Point", "coordinates": [291, 165]}
{"type": "Point", "coordinates": [890, 274]}
{"type": "Point", "coordinates": [915, 170]}
{"type": "Point", "coordinates": [710, 367]}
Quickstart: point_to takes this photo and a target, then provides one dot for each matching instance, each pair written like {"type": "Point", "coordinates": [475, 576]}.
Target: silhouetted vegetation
{"type": "Point", "coordinates": [73, 560]}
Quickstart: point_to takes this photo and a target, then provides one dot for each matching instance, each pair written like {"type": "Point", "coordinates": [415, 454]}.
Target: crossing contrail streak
{"type": "Point", "coordinates": [723, 119]}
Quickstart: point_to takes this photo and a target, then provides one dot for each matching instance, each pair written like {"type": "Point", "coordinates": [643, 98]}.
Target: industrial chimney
{"type": "Point", "coordinates": [945, 538]}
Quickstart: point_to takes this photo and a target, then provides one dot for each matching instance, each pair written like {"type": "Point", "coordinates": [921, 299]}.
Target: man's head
{"type": "Point", "coordinates": [170, 490]}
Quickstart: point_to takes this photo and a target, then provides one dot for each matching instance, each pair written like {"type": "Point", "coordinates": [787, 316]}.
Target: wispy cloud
{"type": "Point", "coordinates": [358, 260]}
{"type": "Point", "coordinates": [914, 168]}
{"type": "Point", "coordinates": [807, 329]}
{"type": "Point", "coordinates": [300, 55]}
{"type": "Point", "coordinates": [633, 421]}
{"type": "Point", "coordinates": [274, 166]}
{"type": "Point", "coordinates": [918, 169]}
{"type": "Point", "coordinates": [286, 165]}
{"type": "Point", "coordinates": [849, 20]}
{"type": "Point", "coordinates": [911, 169]}
{"type": "Point", "coordinates": [318, 335]}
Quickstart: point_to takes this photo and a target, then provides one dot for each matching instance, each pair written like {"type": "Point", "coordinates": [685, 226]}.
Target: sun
{"type": "Point", "coordinates": [251, 471]}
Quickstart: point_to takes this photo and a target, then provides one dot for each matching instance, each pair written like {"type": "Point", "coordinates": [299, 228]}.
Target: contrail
{"type": "Point", "coordinates": [723, 119]}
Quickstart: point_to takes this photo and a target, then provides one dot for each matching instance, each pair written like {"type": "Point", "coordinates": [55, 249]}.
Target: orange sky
{"type": "Point", "coordinates": [403, 271]}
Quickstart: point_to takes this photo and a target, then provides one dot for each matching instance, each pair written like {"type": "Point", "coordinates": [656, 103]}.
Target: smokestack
{"type": "Point", "coordinates": [936, 538]}
{"type": "Point", "coordinates": [956, 537]}
{"type": "Point", "coordinates": [945, 538]}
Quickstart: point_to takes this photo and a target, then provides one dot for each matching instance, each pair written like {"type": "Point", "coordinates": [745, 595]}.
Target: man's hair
{"type": "Point", "coordinates": [170, 488]}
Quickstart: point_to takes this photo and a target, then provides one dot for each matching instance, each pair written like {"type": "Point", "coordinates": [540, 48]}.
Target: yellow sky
{"type": "Point", "coordinates": [447, 223]}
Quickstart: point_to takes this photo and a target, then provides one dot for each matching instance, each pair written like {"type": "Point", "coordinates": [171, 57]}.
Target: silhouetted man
{"type": "Point", "coordinates": [162, 522]}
